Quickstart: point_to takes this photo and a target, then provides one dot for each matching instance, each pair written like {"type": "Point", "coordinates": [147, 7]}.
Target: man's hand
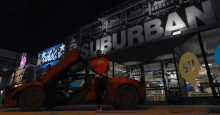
{"type": "Point", "coordinates": [101, 74]}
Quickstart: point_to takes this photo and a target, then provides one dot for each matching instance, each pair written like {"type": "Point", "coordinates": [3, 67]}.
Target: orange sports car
{"type": "Point", "coordinates": [54, 88]}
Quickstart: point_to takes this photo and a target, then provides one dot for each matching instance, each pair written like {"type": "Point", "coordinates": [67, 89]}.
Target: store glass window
{"type": "Point", "coordinates": [153, 75]}
{"type": "Point", "coordinates": [200, 88]}
{"type": "Point", "coordinates": [119, 70]}
{"type": "Point", "coordinates": [211, 42]}
{"type": "Point", "coordinates": [133, 72]}
{"type": "Point", "coordinates": [170, 76]}
{"type": "Point", "coordinates": [110, 72]}
{"type": "Point", "coordinates": [154, 82]}
{"type": "Point", "coordinates": [19, 75]}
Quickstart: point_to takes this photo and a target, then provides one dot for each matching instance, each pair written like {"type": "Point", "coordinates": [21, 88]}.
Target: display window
{"type": "Point", "coordinates": [154, 82]}
{"type": "Point", "coordinates": [153, 74]}
{"type": "Point", "coordinates": [170, 76]}
{"type": "Point", "coordinates": [211, 44]}
{"type": "Point", "coordinates": [192, 72]}
{"type": "Point", "coordinates": [119, 70]}
{"type": "Point", "coordinates": [19, 75]}
{"type": "Point", "coordinates": [133, 72]}
{"type": "Point", "coordinates": [155, 95]}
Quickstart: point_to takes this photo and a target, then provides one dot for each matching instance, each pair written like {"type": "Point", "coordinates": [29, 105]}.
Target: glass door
{"type": "Point", "coordinates": [154, 82]}
{"type": "Point", "coordinates": [119, 70]}
{"type": "Point", "coordinates": [172, 83]}
{"type": "Point", "coordinates": [133, 72]}
{"type": "Point", "coordinates": [211, 44]}
{"type": "Point", "coordinates": [192, 85]}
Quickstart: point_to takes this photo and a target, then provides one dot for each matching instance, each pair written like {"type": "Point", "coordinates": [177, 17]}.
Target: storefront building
{"type": "Point", "coordinates": [24, 73]}
{"type": "Point", "coordinates": [148, 40]}
{"type": "Point", "coordinates": [10, 59]}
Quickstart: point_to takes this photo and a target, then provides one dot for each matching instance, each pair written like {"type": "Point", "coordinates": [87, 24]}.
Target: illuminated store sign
{"type": "Point", "coordinates": [23, 62]}
{"type": "Point", "coordinates": [217, 55]}
{"type": "Point", "coordinates": [145, 22]}
{"type": "Point", "coordinates": [50, 56]}
{"type": "Point", "coordinates": [189, 67]}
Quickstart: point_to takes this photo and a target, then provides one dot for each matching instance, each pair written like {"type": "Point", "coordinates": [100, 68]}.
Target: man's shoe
{"type": "Point", "coordinates": [99, 109]}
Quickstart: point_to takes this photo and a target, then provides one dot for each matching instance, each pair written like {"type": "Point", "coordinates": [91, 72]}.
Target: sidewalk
{"type": "Point", "coordinates": [139, 107]}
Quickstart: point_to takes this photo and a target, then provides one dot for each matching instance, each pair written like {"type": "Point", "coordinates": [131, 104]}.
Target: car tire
{"type": "Point", "coordinates": [127, 99]}
{"type": "Point", "coordinates": [31, 99]}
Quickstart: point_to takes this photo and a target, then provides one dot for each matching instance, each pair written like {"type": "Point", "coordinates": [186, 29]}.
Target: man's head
{"type": "Point", "coordinates": [99, 53]}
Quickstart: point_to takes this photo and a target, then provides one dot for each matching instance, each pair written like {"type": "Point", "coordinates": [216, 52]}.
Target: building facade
{"type": "Point", "coordinates": [9, 68]}
{"type": "Point", "coordinates": [10, 59]}
{"type": "Point", "coordinates": [150, 40]}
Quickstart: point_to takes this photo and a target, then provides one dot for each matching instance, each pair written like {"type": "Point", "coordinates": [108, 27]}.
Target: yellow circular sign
{"type": "Point", "coordinates": [189, 67]}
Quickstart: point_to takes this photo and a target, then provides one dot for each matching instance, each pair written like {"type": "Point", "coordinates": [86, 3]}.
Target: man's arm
{"type": "Point", "coordinates": [93, 67]}
{"type": "Point", "coordinates": [94, 70]}
{"type": "Point", "coordinates": [107, 69]}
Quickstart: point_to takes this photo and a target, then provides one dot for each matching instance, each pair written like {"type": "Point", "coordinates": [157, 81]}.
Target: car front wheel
{"type": "Point", "coordinates": [127, 97]}
{"type": "Point", "coordinates": [31, 99]}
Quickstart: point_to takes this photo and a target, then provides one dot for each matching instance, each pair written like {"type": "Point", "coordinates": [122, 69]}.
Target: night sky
{"type": "Point", "coordinates": [34, 25]}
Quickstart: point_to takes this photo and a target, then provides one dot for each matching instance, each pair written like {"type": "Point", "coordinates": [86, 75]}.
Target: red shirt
{"type": "Point", "coordinates": [100, 65]}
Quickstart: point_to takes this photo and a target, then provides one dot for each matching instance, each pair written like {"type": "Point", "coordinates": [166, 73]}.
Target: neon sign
{"type": "Point", "coordinates": [50, 56]}
{"type": "Point", "coordinates": [23, 61]}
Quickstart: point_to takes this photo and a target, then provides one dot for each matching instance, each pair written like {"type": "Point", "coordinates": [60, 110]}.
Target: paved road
{"type": "Point", "coordinates": [109, 110]}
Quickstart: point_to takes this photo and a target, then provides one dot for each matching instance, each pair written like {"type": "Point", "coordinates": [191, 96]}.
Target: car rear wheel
{"type": "Point", "coordinates": [127, 97]}
{"type": "Point", "coordinates": [31, 99]}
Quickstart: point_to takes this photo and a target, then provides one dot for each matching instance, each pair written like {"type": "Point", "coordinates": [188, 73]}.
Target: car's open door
{"type": "Point", "coordinates": [58, 79]}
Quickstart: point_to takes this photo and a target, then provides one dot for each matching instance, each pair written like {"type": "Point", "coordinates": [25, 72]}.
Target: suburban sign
{"type": "Point", "coordinates": [144, 22]}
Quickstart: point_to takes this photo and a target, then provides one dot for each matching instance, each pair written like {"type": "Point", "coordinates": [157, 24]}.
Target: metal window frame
{"type": "Point", "coordinates": [206, 64]}
{"type": "Point", "coordinates": [177, 75]}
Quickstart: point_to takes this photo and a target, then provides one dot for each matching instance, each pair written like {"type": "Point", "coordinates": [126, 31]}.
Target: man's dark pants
{"type": "Point", "coordinates": [100, 86]}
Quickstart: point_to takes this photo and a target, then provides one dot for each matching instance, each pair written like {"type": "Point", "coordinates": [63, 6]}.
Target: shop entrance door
{"type": "Point", "coordinates": [172, 83]}
{"type": "Point", "coordinates": [154, 83]}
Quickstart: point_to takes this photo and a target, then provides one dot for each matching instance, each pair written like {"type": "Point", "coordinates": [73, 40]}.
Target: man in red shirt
{"type": "Point", "coordinates": [100, 66]}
